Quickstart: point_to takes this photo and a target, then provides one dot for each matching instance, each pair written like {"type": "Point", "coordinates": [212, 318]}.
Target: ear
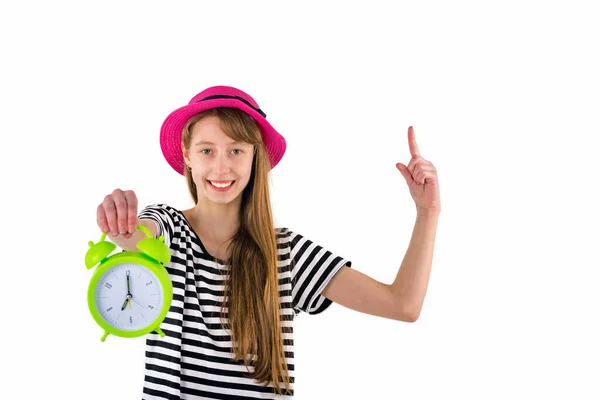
{"type": "Point", "coordinates": [186, 154]}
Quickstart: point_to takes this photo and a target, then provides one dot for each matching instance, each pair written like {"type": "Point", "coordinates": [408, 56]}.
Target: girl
{"type": "Point", "coordinates": [238, 281]}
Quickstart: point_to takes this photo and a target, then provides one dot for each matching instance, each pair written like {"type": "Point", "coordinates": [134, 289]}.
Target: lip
{"type": "Point", "coordinates": [220, 189]}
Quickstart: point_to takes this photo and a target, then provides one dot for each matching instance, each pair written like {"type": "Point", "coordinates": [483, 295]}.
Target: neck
{"type": "Point", "coordinates": [216, 221]}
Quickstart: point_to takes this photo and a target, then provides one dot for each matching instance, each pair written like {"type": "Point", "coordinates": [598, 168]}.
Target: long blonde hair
{"type": "Point", "coordinates": [251, 288]}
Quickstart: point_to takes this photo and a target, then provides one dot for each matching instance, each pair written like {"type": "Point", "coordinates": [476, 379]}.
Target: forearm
{"type": "Point", "coordinates": [410, 285]}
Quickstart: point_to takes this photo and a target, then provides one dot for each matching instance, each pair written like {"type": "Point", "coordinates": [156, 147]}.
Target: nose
{"type": "Point", "coordinates": [222, 165]}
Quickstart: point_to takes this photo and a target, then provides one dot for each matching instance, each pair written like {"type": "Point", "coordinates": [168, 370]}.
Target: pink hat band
{"type": "Point", "coordinates": [215, 97]}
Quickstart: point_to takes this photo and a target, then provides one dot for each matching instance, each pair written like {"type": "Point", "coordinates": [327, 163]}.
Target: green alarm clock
{"type": "Point", "coordinates": [130, 292]}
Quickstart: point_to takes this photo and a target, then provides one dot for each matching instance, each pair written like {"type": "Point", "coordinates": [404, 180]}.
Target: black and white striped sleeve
{"type": "Point", "coordinates": [160, 214]}
{"type": "Point", "coordinates": [312, 268]}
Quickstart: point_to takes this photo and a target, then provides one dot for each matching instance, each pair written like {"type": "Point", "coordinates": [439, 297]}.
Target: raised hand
{"type": "Point", "coordinates": [421, 177]}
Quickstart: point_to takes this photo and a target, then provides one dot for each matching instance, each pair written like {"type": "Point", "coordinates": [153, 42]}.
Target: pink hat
{"type": "Point", "coordinates": [213, 97]}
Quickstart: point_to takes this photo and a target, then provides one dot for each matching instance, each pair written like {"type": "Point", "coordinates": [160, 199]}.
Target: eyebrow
{"type": "Point", "coordinates": [211, 143]}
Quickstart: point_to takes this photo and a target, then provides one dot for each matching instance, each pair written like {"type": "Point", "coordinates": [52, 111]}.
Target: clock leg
{"type": "Point", "coordinates": [105, 335]}
{"type": "Point", "coordinates": [161, 333]}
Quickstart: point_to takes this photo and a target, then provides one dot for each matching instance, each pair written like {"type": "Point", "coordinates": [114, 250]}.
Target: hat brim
{"type": "Point", "coordinates": [172, 128]}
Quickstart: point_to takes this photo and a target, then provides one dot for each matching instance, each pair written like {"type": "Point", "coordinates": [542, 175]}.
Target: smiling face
{"type": "Point", "coordinates": [220, 166]}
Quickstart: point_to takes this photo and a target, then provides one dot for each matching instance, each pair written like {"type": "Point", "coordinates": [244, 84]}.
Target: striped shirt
{"type": "Point", "coordinates": [194, 360]}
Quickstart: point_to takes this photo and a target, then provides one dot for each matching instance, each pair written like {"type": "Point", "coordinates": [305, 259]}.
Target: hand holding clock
{"type": "Point", "coordinates": [117, 214]}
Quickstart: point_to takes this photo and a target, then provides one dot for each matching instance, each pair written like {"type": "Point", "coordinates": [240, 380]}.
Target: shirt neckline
{"type": "Point", "coordinates": [220, 261]}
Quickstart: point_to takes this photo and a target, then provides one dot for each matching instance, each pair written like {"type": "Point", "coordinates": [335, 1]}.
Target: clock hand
{"type": "Point", "coordinates": [125, 303]}
{"type": "Point", "coordinates": [137, 303]}
{"type": "Point", "coordinates": [128, 284]}
{"type": "Point", "coordinates": [129, 288]}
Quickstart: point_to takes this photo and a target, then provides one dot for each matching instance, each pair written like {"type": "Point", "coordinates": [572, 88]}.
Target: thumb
{"type": "Point", "coordinates": [405, 172]}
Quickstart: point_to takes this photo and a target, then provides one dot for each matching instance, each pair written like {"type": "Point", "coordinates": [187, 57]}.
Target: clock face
{"type": "Point", "coordinates": [129, 296]}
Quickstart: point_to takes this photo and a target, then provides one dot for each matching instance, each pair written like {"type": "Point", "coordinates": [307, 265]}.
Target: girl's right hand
{"type": "Point", "coordinates": [117, 214]}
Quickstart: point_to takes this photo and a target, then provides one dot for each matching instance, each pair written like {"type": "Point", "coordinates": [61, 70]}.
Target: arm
{"type": "Point", "coordinates": [403, 299]}
{"type": "Point", "coordinates": [410, 286]}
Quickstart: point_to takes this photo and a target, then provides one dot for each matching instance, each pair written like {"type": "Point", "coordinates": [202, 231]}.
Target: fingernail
{"type": "Point", "coordinates": [131, 228]}
{"type": "Point", "coordinates": [122, 230]}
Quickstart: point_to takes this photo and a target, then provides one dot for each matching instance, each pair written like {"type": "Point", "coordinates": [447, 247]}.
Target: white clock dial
{"type": "Point", "coordinates": [133, 309]}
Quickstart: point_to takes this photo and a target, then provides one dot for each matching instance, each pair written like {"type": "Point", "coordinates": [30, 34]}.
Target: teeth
{"type": "Point", "coordinates": [220, 185]}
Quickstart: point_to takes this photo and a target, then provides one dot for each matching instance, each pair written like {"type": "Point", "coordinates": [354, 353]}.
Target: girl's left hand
{"type": "Point", "coordinates": [421, 177]}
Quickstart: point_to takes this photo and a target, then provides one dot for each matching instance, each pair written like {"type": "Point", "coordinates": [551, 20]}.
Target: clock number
{"type": "Point", "coordinates": [149, 306]}
{"type": "Point", "coordinates": [108, 285]}
{"type": "Point", "coordinates": [108, 309]}
{"type": "Point", "coordinates": [130, 320]}
{"type": "Point", "coordinates": [149, 283]}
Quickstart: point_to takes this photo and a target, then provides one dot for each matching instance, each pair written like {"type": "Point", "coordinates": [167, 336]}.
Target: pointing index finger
{"type": "Point", "coordinates": [412, 142]}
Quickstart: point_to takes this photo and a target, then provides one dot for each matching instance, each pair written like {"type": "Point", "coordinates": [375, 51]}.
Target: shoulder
{"type": "Point", "coordinates": [290, 238]}
{"type": "Point", "coordinates": [159, 207]}
{"type": "Point", "coordinates": [282, 231]}
{"type": "Point", "coordinates": [284, 234]}
{"type": "Point", "coordinates": [167, 218]}
{"type": "Point", "coordinates": [160, 210]}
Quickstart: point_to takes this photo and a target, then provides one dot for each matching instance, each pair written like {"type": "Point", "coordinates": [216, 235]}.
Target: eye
{"type": "Point", "coordinates": [204, 151]}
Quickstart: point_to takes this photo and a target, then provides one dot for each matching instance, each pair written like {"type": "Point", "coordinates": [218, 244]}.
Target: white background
{"type": "Point", "coordinates": [504, 100]}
